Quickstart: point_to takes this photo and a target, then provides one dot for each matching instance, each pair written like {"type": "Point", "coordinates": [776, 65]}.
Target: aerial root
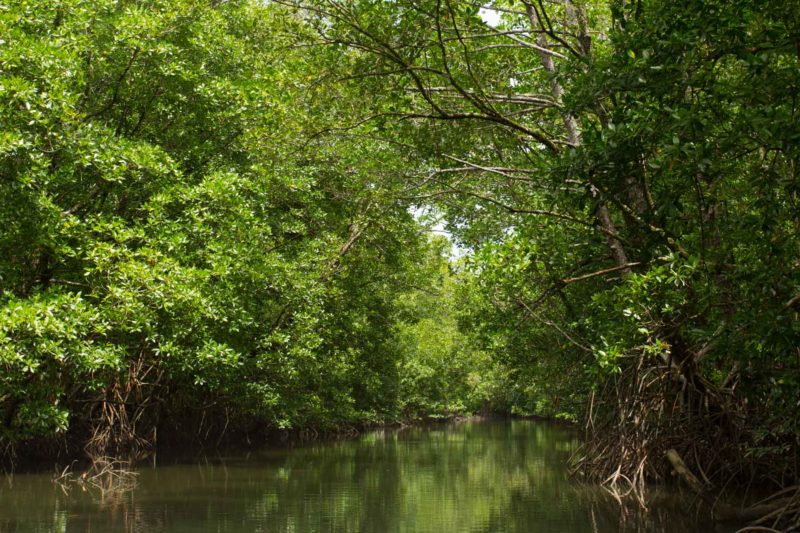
{"type": "Point", "coordinates": [121, 418]}
{"type": "Point", "coordinates": [653, 411]}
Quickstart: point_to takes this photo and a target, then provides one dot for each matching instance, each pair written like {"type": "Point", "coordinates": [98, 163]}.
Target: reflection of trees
{"type": "Point", "coordinates": [470, 477]}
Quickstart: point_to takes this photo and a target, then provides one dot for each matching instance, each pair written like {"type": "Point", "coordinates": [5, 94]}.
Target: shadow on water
{"type": "Point", "coordinates": [482, 476]}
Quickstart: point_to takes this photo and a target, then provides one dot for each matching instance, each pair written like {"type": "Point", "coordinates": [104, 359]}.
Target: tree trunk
{"type": "Point", "coordinates": [602, 213]}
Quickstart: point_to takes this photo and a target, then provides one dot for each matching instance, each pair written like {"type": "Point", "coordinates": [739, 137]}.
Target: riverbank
{"type": "Point", "coordinates": [31, 457]}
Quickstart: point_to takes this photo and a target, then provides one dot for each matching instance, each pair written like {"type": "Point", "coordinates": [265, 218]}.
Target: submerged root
{"type": "Point", "coordinates": [107, 478]}
{"type": "Point", "coordinates": [784, 511]}
{"type": "Point", "coordinates": [781, 509]}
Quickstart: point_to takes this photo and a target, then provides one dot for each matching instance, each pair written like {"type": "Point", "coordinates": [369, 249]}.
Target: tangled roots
{"type": "Point", "coordinates": [124, 418]}
{"type": "Point", "coordinates": [655, 410]}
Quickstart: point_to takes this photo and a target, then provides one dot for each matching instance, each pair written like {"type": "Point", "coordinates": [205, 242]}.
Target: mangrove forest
{"type": "Point", "coordinates": [240, 223]}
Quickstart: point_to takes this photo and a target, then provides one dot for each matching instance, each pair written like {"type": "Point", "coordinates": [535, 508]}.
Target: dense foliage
{"type": "Point", "coordinates": [208, 214]}
{"type": "Point", "coordinates": [176, 251]}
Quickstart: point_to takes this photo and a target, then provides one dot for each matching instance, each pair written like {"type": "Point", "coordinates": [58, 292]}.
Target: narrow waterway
{"type": "Point", "coordinates": [481, 476]}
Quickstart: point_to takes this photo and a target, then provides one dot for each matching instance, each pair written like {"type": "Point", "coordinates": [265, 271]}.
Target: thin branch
{"type": "Point", "coordinates": [115, 93]}
{"type": "Point", "coordinates": [600, 273]}
{"type": "Point", "coordinates": [536, 47]}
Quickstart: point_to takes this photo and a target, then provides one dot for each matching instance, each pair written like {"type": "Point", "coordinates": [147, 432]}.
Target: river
{"type": "Point", "coordinates": [475, 476]}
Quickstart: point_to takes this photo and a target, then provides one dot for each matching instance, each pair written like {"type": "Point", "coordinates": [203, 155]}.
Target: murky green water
{"type": "Point", "coordinates": [499, 476]}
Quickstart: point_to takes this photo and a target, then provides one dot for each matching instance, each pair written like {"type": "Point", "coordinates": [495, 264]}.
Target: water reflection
{"type": "Point", "coordinates": [472, 477]}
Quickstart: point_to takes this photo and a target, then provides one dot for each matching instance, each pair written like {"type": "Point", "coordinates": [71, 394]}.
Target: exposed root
{"type": "Point", "coordinates": [122, 418]}
{"type": "Point", "coordinates": [663, 408]}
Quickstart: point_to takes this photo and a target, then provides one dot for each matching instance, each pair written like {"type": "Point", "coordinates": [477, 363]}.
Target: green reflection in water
{"type": "Point", "coordinates": [485, 476]}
